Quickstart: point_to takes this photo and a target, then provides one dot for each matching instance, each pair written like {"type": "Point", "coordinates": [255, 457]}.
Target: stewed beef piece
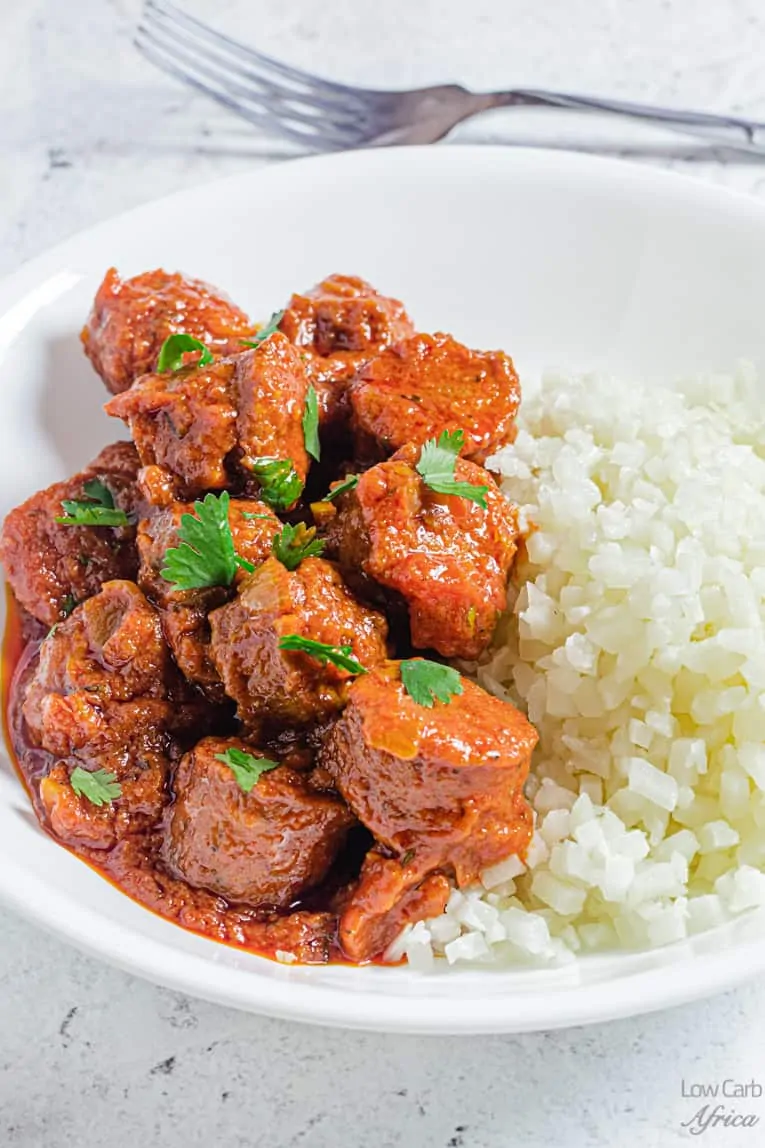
{"type": "Point", "coordinates": [447, 558]}
{"type": "Point", "coordinates": [106, 695]}
{"type": "Point", "coordinates": [439, 787]}
{"type": "Point", "coordinates": [430, 383]}
{"type": "Point", "coordinates": [273, 685]}
{"type": "Point", "coordinates": [184, 613]}
{"type": "Point", "coordinates": [338, 326]}
{"type": "Point", "coordinates": [207, 428]}
{"type": "Point", "coordinates": [52, 566]}
{"type": "Point", "coordinates": [131, 318]}
{"type": "Point", "coordinates": [263, 846]}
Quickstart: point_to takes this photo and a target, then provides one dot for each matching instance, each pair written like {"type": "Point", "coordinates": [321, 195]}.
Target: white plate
{"type": "Point", "coordinates": [562, 260]}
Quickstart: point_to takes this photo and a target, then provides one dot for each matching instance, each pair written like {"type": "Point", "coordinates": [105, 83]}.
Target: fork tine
{"type": "Point", "coordinates": [255, 106]}
{"type": "Point", "coordinates": [269, 123]}
{"type": "Point", "coordinates": [199, 55]}
{"type": "Point", "coordinates": [168, 10]}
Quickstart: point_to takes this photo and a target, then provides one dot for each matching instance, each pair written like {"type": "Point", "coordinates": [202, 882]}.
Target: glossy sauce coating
{"type": "Point", "coordinates": [430, 383]}
{"type": "Point", "coordinates": [131, 318]}
{"type": "Point", "coordinates": [447, 557]}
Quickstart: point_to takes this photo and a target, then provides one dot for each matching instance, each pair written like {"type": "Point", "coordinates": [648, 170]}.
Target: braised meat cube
{"type": "Point", "coordinates": [445, 556]}
{"type": "Point", "coordinates": [338, 325]}
{"type": "Point", "coordinates": [107, 696]}
{"type": "Point", "coordinates": [184, 612]}
{"type": "Point", "coordinates": [270, 684]}
{"type": "Point", "coordinates": [439, 787]}
{"type": "Point", "coordinates": [264, 847]}
{"type": "Point", "coordinates": [204, 428]}
{"type": "Point", "coordinates": [52, 566]}
{"type": "Point", "coordinates": [131, 318]}
{"type": "Point", "coordinates": [106, 681]}
{"type": "Point", "coordinates": [430, 383]}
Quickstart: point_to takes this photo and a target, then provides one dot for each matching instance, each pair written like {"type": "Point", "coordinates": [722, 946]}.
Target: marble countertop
{"type": "Point", "coordinates": [93, 1057]}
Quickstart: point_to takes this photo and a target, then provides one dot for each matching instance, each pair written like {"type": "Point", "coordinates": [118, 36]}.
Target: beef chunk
{"type": "Point", "coordinates": [263, 848]}
{"type": "Point", "coordinates": [269, 684]}
{"type": "Point", "coordinates": [446, 557]}
{"type": "Point", "coordinates": [440, 788]}
{"type": "Point", "coordinates": [131, 318]}
{"type": "Point", "coordinates": [203, 428]}
{"type": "Point", "coordinates": [184, 612]}
{"type": "Point", "coordinates": [106, 695]}
{"type": "Point", "coordinates": [430, 383]}
{"type": "Point", "coordinates": [51, 566]}
{"type": "Point", "coordinates": [338, 326]}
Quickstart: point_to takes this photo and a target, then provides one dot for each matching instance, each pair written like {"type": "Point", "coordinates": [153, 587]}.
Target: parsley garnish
{"type": "Point", "coordinates": [206, 555]}
{"type": "Point", "coordinates": [173, 349]}
{"type": "Point", "coordinates": [265, 332]}
{"type": "Point", "coordinates": [342, 487]}
{"type": "Point", "coordinates": [311, 423]}
{"type": "Point", "coordinates": [97, 509]}
{"type": "Point", "coordinates": [436, 468]}
{"type": "Point", "coordinates": [68, 603]}
{"type": "Point", "coordinates": [294, 543]}
{"type": "Point", "coordinates": [408, 856]}
{"type": "Point", "coordinates": [248, 514]}
{"type": "Point", "coordinates": [99, 787]}
{"type": "Point", "coordinates": [246, 769]}
{"type": "Point", "coordinates": [280, 484]}
{"type": "Point", "coordinates": [337, 655]}
{"type": "Point", "coordinates": [426, 681]}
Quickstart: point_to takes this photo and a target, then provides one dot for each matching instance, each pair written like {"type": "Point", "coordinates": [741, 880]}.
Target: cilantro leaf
{"type": "Point", "coordinates": [436, 468]}
{"type": "Point", "coordinates": [173, 349]}
{"type": "Point", "coordinates": [97, 509]}
{"type": "Point", "coordinates": [294, 543]}
{"type": "Point", "coordinates": [99, 787]}
{"type": "Point", "coordinates": [265, 332]}
{"type": "Point", "coordinates": [280, 484]}
{"type": "Point", "coordinates": [246, 768]}
{"type": "Point", "coordinates": [337, 655]}
{"type": "Point", "coordinates": [206, 555]}
{"type": "Point", "coordinates": [311, 423]}
{"type": "Point", "coordinates": [348, 483]}
{"type": "Point", "coordinates": [426, 681]}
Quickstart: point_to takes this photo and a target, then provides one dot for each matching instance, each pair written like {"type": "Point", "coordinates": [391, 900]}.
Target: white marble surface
{"type": "Point", "coordinates": [93, 1057]}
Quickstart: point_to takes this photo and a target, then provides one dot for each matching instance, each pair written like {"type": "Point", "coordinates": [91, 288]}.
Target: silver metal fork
{"type": "Point", "coordinates": [324, 116]}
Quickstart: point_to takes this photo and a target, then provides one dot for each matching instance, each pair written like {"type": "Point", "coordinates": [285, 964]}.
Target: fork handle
{"type": "Point", "coordinates": [729, 131]}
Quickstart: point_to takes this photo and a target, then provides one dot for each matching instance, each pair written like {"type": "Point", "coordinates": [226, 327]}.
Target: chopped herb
{"type": "Point", "coordinates": [246, 768]}
{"type": "Point", "coordinates": [206, 555]}
{"type": "Point", "coordinates": [311, 423]}
{"type": "Point", "coordinates": [294, 543]}
{"type": "Point", "coordinates": [337, 655]}
{"type": "Point", "coordinates": [97, 509]}
{"type": "Point", "coordinates": [471, 617]}
{"type": "Point", "coordinates": [408, 856]}
{"type": "Point", "coordinates": [173, 349]}
{"type": "Point", "coordinates": [342, 487]}
{"type": "Point", "coordinates": [436, 468]}
{"type": "Point", "coordinates": [248, 514]}
{"type": "Point", "coordinates": [68, 603]}
{"type": "Point", "coordinates": [264, 332]}
{"type": "Point", "coordinates": [99, 787]}
{"type": "Point", "coordinates": [414, 398]}
{"type": "Point", "coordinates": [426, 681]}
{"type": "Point", "coordinates": [280, 484]}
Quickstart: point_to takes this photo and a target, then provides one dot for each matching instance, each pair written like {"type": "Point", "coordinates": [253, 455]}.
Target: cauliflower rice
{"type": "Point", "coordinates": [635, 641]}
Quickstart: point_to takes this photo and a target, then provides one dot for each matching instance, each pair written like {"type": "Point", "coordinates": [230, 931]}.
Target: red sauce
{"type": "Point", "coordinates": [309, 931]}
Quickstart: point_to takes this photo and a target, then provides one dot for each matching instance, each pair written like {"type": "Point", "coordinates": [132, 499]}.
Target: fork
{"type": "Point", "coordinates": [322, 115]}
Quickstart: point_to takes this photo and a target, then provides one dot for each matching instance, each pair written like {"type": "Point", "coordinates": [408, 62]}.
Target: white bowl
{"type": "Point", "coordinates": [562, 260]}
